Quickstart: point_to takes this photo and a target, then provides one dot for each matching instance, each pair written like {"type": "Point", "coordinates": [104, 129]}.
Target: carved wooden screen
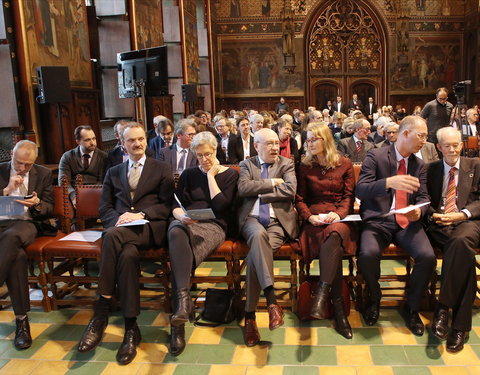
{"type": "Point", "coordinates": [345, 40]}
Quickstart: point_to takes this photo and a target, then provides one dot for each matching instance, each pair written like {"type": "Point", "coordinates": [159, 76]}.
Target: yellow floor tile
{"type": "Point", "coordinates": [399, 270]}
{"type": "Point", "coordinates": [206, 335]}
{"type": "Point", "coordinates": [6, 316]}
{"type": "Point", "coordinates": [397, 336]}
{"type": "Point", "coordinates": [300, 336]}
{"type": "Point", "coordinates": [337, 370]}
{"type": "Point", "coordinates": [52, 367]}
{"type": "Point", "coordinates": [473, 370]}
{"type": "Point", "coordinates": [149, 369]}
{"type": "Point", "coordinates": [477, 330]}
{"type": "Point", "coordinates": [227, 369]}
{"type": "Point", "coordinates": [374, 370]}
{"type": "Point", "coordinates": [270, 370]}
{"type": "Point", "coordinates": [203, 271]}
{"type": "Point", "coordinates": [354, 355]}
{"type": "Point", "coordinates": [276, 271]}
{"type": "Point", "coordinates": [441, 370]}
{"type": "Point", "coordinates": [54, 350]}
{"type": "Point", "coordinates": [466, 357]}
{"type": "Point", "coordinates": [162, 320]}
{"type": "Point", "coordinates": [19, 366]}
{"type": "Point", "coordinates": [36, 330]}
{"type": "Point", "coordinates": [114, 334]}
{"type": "Point", "coordinates": [113, 368]}
{"type": "Point", "coordinates": [262, 319]}
{"type": "Point", "coordinates": [82, 317]}
{"type": "Point", "coordinates": [150, 353]}
{"type": "Point", "coordinates": [355, 318]}
{"type": "Point", "coordinates": [244, 355]}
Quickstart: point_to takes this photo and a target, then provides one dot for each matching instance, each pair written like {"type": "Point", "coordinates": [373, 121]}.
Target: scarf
{"type": "Point", "coordinates": [285, 148]}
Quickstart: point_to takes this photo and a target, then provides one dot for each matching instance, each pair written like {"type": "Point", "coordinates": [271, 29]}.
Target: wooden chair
{"type": "Point", "coordinates": [470, 146]}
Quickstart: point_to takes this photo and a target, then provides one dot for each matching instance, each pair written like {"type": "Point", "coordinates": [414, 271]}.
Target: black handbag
{"type": "Point", "coordinates": [219, 308]}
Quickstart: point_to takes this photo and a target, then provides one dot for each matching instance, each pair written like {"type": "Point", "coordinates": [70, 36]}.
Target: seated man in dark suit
{"type": "Point", "coordinates": [21, 177]}
{"type": "Point", "coordinates": [267, 218]}
{"type": "Point", "coordinates": [140, 188]}
{"type": "Point", "coordinates": [85, 159]}
{"type": "Point", "coordinates": [179, 155]}
{"type": "Point", "coordinates": [356, 147]}
{"type": "Point", "coordinates": [454, 226]}
{"type": "Point", "coordinates": [164, 132]}
{"type": "Point", "coordinates": [244, 144]}
{"type": "Point", "coordinates": [226, 150]}
{"type": "Point", "coordinates": [392, 178]}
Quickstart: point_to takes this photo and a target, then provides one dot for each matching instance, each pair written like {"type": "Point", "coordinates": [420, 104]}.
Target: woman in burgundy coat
{"type": "Point", "coordinates": [325, 195]}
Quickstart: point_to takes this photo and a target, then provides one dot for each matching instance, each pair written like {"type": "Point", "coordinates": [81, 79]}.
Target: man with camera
{"type": "Point", "coordinates": [437, 113]}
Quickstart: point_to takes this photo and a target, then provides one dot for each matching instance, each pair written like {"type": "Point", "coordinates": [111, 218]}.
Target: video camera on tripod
{"type": "Point", "coordinates": [459, 90]}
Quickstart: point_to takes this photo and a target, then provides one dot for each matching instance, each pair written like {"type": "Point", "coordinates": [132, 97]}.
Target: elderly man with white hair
{"type": "Point", "coordinates": [256, 122]}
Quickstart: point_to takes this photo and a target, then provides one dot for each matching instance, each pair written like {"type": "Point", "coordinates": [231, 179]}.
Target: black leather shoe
{"type": "Point", "coordinates": [342, 325]}
{"type": "Point", "coordinates": [177, 339]}
{"type": "Point", "coordinates": [371, 313]}
{"type": "Point", "coordinates": [456, 339]}
{"type": "Point", "coordinates": [93, 334]}
{"type": "Point", "coordinates": [128, 350]}
{"type": "Point", "coordinates": [440, 323]}
{"type": "Point", "coordinates": [184, 308]}
{"type": "Point", "coordinates": [23, 339]}
{"type": "Point", "coordinates": [413, 321]}
{"type": "Point", "coordinates": [320, 301]}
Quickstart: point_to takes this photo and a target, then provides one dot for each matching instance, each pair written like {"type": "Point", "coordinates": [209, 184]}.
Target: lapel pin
{"type": "Point", "coordinates": [471, 175]}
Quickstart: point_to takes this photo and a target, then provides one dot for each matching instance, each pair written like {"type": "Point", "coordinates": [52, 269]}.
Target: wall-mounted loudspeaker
{"type": "Point", "coordinates": [53, 84]}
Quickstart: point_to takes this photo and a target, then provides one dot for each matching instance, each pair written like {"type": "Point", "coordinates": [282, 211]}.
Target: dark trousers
{"type": "Point", "coordinates": [120, 264]}
{"type": "Point", "coordinates": [376, 236]}
{"type": "Point", "coordinates": [15, 236]}
{"type": "Point", "coordinates": [458, 280]}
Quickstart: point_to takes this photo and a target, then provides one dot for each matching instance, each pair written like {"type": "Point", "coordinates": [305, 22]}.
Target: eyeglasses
{"type": "Point", "coordinates": [313, 140]}
{"type": "Point", "coordinates": [190, 135]}
{"type": "Point", "coordinates": [422, 136]}
{"type": "Point", "coordinates": [442, 99]}
{"type": "Point", "coordinates": [392, 132]}
{"type": "Point", "coordinates": [206, 155]}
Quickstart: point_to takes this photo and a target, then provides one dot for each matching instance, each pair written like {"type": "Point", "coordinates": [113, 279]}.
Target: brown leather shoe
{"type": "Point", "coordinates": [251, 334]}
{"type": "Point", "coordinates": [275, 316]}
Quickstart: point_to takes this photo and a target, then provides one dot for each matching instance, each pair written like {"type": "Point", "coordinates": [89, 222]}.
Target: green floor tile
{"type": "Point", "coordinates": [189, 355]}
{"type": "Point", "coordinates": [86, 368]}
{"type": "Point", "coordinates": [428, 338]}
{"type": "Point", "coordinates": [154, 334]}
{"type": "Point", "coordinates": [5, 345]}
{"type": "Point", "coordinates": [60, 316]}
{"type": "Point", "coordinates": [13, 352]}
{"type": "Point", "coordinates": [71, 332]}
{"type": "Point", "coordinates": [476, 349]}
{"type": "Point", "coordinates": [74, 355]}
{"type": "Point", "coordinates": [300, 370]}
{"type": "Point", "coordinates": [216, 354]}
{"type": "Point", "coordinates": [106, 351]}
{"type": "Point", "coordinates": [314, 323]}
{"type": "Point", "coordinates": [319, 355]}
{"type": "Point", "coordinates": [423, 355]}
{"type": "Point", "coordinates": [328, 336]}
{"type": "Point", "coordinates": [366, 336]}
{"type": "Point", "coordinates": [277, 336]}
{"type": "Point", "coordinates": [473, 339]}
{"type": "Point", "coordinates": [191, 370]}
{"type": "Point", "coordinates": [3, 362]}
{"type": "Point", "coordinates": [6, 329]}
{"type": "Point", "coordinates": [232, 335]}
{"type": "Point", "coordinates": [411, 371]}
{"type": "Point", "coordinates": [285, 355]}
{"type": "Point", "coordinates": [388, 355]}
{"type": "Point", "coordinates": [290, 319]}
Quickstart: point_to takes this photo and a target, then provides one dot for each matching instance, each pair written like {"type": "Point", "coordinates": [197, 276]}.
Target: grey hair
{"type": "Point", "coordinates": [129, 125]}
{"type": "Point", "coordinates": [256, 117]}
{"type": "Point", "coordinates": [443, 132]}
{"type": "Point", "coordinates": [358, 124]}
{"type": "Point", "coordinates": [25, 143]}
{"type": "Point", "coordinates": [204, 138]}
{"type": "Point", "coordinates": [391, 124]}
{"type": "Point", "coordinates": [183, 124]}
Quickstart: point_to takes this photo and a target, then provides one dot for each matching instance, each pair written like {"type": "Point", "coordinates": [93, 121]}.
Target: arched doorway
{"type": "Point", "coordinates": [346, 44]}
{"type": "Point", "coordinates": [324, 91]}
{"type": "Point", "coordinates": [364, 90]}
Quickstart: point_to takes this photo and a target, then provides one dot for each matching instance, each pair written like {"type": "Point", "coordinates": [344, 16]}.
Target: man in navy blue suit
{"type": "Point", "coordinates": [164, 135]}
{"type": "Point", "coordinates": [392, 178]}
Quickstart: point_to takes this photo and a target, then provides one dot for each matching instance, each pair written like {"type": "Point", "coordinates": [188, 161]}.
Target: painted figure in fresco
{"type": "Point", "coordinates": [423, 72]}
{"type": "Point", "coordinates": [234, 8]}
{"type": "Point", "coordinates": [420, 4]}
{"type": "Point", "coordinates": [288, 32]}
{"type": "Point", "coordinates": [266, 8]}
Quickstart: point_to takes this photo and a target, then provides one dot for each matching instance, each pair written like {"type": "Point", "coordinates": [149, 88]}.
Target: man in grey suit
{"type": "Point", "coordinates": [266, 186]}
{"type": "Point", "coordinates": [428, 153]}
{"type": "Point", "coordinates": [85, 159]}
{"type": "Point", "coordinates": [356, 147]}
{"type": "Point", "coordinates": [179, 155]}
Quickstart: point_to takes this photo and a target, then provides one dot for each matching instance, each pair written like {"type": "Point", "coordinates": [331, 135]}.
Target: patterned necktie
{"type": "Point", "coordinates": [23, 190]}
{"type": "Point", "coordinates": [133, 178]}
{"type": "Point", "coordinates": [264, 208]}
{"type": "Point", "coordinates": [401, 198]}
{"type": "Point", "coordinates": [181, 163]}
{"type": "Point", "coordinates": [359, 146]}
{"type": "Point", "coordinates": [86, 161]}
{"type": "Point", "coordinates": [451, 200]}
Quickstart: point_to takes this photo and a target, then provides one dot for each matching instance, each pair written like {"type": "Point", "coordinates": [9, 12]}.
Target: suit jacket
{"type": "Point", "coordinates": [155, 145]}
{"type": "Point", "coordinates": [367, 112]}
{"type": "Point", "coordinates": [343, 107]}
{"type": "Point", "coordinates": [71, 164]}
{"type": "Point", "coordinates": [348, 148]}
{"type": "Point", "coordinates": [281, 197]}
{"type": "Point", "coordinates": [468, 188]}
{"type": "Point", "coordinates": [232, 150]}
{"type": "Point", "coordinates": [379, 164]}
{"type": "Point", "coordinates": [331, 109]}
{"type": "Point", "coordinates": [359, 105]}
{"type": "Point", "coordinates": [466, 131]}
{"type": "Point", "coordinates": [239, 148]}
{"type": "Point", "coordinates": [153, 196]}
{"type": "Point", "coordinates": [115, 157]}
{"type": "Point", "coordinates": [39, 181]}
{"type": "Point", "coordinates": [429, 153]}
{"type": "Point", "coordinates": [169, 155]}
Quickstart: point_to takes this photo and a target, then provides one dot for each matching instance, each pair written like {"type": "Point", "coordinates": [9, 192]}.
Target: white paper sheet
{"type": "Point", "coordinates": [346, 218]}
{"type": "Point", "coordinates": [83, 236]}
{"type": "Point", "coordinates": [406, 209]}
{"type": "Point", "coordinates": [135, 222]}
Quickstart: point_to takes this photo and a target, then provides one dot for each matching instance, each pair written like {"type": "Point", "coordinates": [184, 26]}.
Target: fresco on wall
{"type": "Point", "coordinates": [191, 41]}
{"type": "Point", "coordinates": [431, 62]}
{"type": "Point", "coordinates": [254, 67]}
{"type": "Point", "coordinates": [148, 23]}
{"type": "Point", "coordinates": [56, 34]}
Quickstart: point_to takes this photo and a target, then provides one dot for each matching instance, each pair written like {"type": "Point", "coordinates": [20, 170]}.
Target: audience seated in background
{"type": "Point", "coordinates": [164, 137]}
{"type": "Point", "coordinates": [226, 152]}
{"type": "Point", "coordinates": [356, 147]}
{"type": "Point", "coordinates": [244, 143]}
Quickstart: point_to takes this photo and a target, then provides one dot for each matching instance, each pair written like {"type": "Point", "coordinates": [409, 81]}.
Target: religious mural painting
{"type": "Point", "coordinates": [148, 23]}
{"type": "Point", "coordinates": [191, 41]}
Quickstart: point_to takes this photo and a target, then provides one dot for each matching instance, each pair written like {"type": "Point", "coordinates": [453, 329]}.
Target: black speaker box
{"type": "Point", "coordinates": [53, 84]}
{"type": "Point", "coordinates": [189, 93]}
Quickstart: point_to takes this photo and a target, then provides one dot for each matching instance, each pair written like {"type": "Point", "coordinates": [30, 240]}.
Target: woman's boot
{"type": "Point", "coordinates": [320, 301]}
{"type": "Point", "coordinates": [184, 308]}
{"type": "Point", "coordinates": [341, 322]}
{"type": "Point", "coordinates": [177, 339]}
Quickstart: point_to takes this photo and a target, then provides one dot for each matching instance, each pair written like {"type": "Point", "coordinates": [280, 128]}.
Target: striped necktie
{"type": "Point", "coordinates": [451, 200]}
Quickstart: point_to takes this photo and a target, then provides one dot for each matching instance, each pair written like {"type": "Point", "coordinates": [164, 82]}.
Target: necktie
{"type": "Point", "coordinates": [359, 146]}
{"type": "Point", "coordinates": [181, 163]}
{"type": "Point", "coordinates": [264, 208]}
{"type": "Point", "coordinates": [23, 190]}
{"type": "Point", "coordinates": [401, 198]}
{"type": "Point", "coordinates": [133, 178]}
{"type": "Point", "coordinates": [451, 200]}
{"type": "Point", "coordinates": [86, 160]}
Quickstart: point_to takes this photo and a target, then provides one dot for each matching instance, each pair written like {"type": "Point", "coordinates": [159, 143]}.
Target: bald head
{"type": "Point", "coordinates": [267, 145]}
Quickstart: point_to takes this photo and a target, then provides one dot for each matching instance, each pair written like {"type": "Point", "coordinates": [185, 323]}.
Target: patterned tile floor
{"type": "Point", "coordinates": [297, 348]}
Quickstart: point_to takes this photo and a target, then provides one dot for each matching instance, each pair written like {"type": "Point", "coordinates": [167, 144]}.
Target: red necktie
{"type": "Point", "coordinates": [401, 198]}
{"type": "Point", "coordinates": [451, 200]}
{"type": "Point", "coordinates": [359, 146]}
